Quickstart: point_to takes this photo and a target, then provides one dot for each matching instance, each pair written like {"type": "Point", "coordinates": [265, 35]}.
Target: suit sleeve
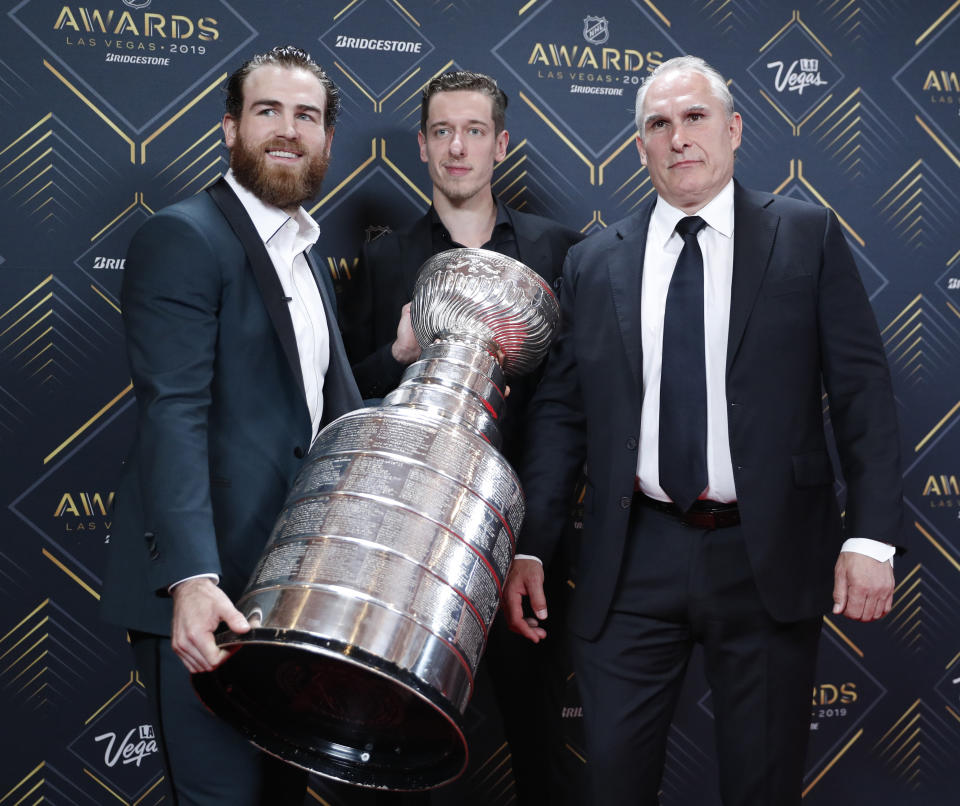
{"type": "Point", "coordinates": [170, 299]}
{"type": "Point", "coordinates": [556, 435]}
{"type": "Point", "coordinates": [374, 367]}
{"type": "Point", "coordinates": [862, 407]}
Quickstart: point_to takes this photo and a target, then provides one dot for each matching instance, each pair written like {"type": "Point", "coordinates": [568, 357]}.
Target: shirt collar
{"type": "Point", "coordinates": [503, 216]}
{"type": "Point", "coordinates": [267, 219]}
{"type": "Point", "coordinates": [718, 213]}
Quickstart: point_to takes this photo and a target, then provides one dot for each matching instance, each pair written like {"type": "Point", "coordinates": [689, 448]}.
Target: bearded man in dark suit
{"type": "Point", "coordinates": [698, 336]}
{"type": "Point", "coordinates": [237, 361]}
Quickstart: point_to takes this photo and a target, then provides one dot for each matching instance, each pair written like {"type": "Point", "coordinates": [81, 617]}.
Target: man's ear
{"type": "Point", "coordinates": [230, 125]}
{"type": "Point", "coordinates": [502, 140]}
{"type": "Point", "coordinates": [642, 151]}
{"type": "Point", "coordinates": [423, 146]}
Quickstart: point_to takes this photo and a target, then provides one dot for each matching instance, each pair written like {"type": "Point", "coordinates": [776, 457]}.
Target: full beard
{"type": "Point", "coordinates": [282, 186]}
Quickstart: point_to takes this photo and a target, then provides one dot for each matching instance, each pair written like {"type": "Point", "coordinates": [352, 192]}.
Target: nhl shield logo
{"type": "Point", "coordinates": [595, 30]}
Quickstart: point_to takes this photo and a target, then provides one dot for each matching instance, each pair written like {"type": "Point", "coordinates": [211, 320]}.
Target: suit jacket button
{"type": "Point", "coordinates": [631, 443]}
{"type": "Point", "coordinates": [299, 452]}
{"type": "Point", "coordinates": [625, 502]}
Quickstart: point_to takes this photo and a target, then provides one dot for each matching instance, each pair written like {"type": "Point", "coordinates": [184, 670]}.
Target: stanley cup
{"type": "Point", "coordinates": [371, 604]}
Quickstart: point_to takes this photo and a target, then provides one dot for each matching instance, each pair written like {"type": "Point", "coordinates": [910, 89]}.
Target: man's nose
{"type": "Point", "coordinates": [679, 139]}
{"type": "Point", "coordinates": [286, 127]}
{"type": "Point", "coordinates": [456, 144]}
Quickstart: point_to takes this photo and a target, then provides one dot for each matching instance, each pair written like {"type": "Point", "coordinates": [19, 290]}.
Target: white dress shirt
{"type": "Point", "coordinates": [662, 250]}
{"type": "Point", "coordinates": [288, 239]}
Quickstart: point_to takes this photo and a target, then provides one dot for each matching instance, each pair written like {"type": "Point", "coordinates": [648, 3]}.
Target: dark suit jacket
{"type": "Point", "coordinates": [382, 284]}
{"type": "Point", "coordinates": [800, 322]}
{"type": "Point", "coordinates": [222, 419]}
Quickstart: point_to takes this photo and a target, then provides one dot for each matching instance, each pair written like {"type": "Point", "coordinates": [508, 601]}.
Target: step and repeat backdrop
{"type": "Point", "coordinates": [110, 110]}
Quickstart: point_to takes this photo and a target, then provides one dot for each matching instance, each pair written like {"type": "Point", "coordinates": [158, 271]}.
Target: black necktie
{"type": "Point", "coordinates": [683, 381]}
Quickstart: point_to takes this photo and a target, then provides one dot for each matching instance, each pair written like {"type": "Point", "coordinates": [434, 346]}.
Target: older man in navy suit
{"type": "Point", "coordinates": [699, 334]}
{"type": "Point", "coordinates": [237, 361]}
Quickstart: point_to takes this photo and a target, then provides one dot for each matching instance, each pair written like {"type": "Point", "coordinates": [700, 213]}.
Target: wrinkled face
{"type": "Point", "coordinates": [687, 142]}
{"type": "Point", "coordinates": [280, 148]}
{"type": "Point", "coordinates": [460, 145]}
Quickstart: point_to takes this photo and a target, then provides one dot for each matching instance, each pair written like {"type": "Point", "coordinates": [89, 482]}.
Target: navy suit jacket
{"type": "Point", "coordinates": [222, 423]}
{"type": "Point", "coordinates": [383, 282]}
{"type": "Point", "coordinates": [800, 323]}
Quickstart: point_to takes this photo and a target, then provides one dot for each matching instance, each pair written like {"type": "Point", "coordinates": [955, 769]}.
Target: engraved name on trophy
{"type": "Point", "coordinates": [371, 604]}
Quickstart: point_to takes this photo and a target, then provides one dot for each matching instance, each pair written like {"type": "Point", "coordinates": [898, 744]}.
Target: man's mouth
{"type": "Point", "coordinates": [457, 169]}
{"type": "Point", "coordinates": [281, 154]}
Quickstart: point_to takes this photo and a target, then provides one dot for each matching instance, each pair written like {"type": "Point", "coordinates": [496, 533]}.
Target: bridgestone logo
{"type": "Point", "coordinates": [125, 59]}
{"type": "Point", "coordinates": [377, 44]}
{"type": "Point", "coordinates": [588, 90]}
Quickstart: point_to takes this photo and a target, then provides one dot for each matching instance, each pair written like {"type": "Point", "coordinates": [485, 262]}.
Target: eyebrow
{"type": "Point", "coordinates": [299, 107]}
{"type": "Point", "coordinates": [474, 122]}
{"type": "Point", "coordinates": [692, 108]}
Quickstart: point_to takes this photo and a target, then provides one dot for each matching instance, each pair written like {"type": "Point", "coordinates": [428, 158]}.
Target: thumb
{"type": "Point", "coordinates": [839, 591]}
{"type": "Point", "coordinates": [235, 620]}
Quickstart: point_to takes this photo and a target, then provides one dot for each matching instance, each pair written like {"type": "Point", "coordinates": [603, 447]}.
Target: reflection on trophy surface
{"type": "Point", "coordinates": [371, 604]}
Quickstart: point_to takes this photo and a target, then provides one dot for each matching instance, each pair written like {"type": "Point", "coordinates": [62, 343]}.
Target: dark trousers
{"type": "Point", "coordinates": [528, 681]}
{"type": "Point", "coordinates": [681, 586]}
{"type": "Point", "coordinates": [207, 762]}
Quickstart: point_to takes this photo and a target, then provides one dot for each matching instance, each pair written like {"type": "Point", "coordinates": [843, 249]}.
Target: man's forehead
{"type": "Point", "coordinates": [280, 77]}
{"type": "Point", "coordinates": [690, 91]}
{"type": "Point", "coordinates": [476, 106]}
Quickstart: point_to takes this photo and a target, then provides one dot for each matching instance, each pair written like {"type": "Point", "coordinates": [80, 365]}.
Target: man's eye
{"type": "Point", "coordinates": [695, 116]}
{"type": "Point", "coordinates": [476, 131]}
{"type": "Point", "coordinates": [267, 111]}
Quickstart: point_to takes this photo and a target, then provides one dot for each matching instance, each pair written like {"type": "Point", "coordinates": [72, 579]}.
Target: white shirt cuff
{"type": "Point", "coordinates": [214, 577]}
{"type": "Point", "coordinates": [881, 552]}
{"type": "Point", "coordinates": [527, 557]}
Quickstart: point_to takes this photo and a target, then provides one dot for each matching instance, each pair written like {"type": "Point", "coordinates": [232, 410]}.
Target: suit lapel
{"type": "Point", "coordinates": [530, 252]}
{"type": "Point", "coordinates": [263, 270]}
{"type": "Point", "coordinates": [755, 228]}
{"type": "Point", "coordinates": [338, 355]}
{"type": "Point", "coordinates": [625, 269]}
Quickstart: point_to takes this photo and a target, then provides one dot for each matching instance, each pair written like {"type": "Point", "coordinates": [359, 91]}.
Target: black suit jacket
{"type": "Point", "coordinates": [383, 282]}
{"type": "Point", "coordinates": [800, 322]}
{"type": "Point", "coordinates": [222, 422]}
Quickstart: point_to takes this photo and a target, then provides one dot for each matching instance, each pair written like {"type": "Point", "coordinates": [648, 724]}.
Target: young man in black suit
{"type": "Point", "coordinates": [462, 137]}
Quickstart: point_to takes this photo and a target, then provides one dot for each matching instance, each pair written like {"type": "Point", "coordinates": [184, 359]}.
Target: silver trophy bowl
{"type": "Point", "coordinates": [371, 604]}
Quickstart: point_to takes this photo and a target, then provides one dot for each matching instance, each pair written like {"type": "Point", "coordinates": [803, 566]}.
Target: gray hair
{"type": "Point", "coordinates": [685, 64]}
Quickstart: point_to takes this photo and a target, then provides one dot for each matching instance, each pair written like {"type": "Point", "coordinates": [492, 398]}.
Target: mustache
{"type": "Point", "coordinates": [283, 145]}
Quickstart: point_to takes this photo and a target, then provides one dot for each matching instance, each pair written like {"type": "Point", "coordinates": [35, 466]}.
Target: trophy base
{"type": "Point", "coordinates": [336, 710]}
